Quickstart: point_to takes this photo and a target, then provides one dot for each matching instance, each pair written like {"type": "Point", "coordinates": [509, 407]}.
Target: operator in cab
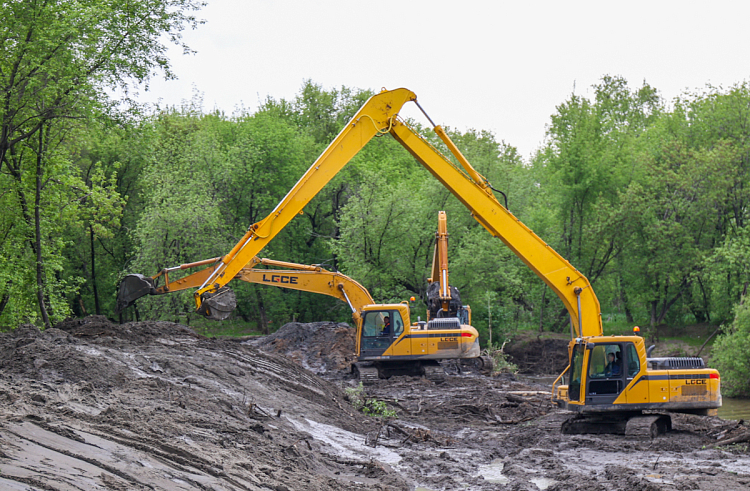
{"type": "Point", "coordinates": [613, 367]}
{"type": "Point", "coordinates": [386, 326]}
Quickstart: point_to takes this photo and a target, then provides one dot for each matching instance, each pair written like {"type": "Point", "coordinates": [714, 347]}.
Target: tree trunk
{"type": "Point", "coordinates": [4, 301]}
{"type": "Point", "coordinates": [262, 312]}
{"type": "Point", "coordinates": [541, 310]}
{"type": "Point", "coordinates": [653, 313]}
{"type": "Point", "coordinates": [625, 306]}
{"type": "Point", "coordinates": [667, 304]}
{"type": "Point", "coordinates": [40, 283]}
{"type": "Point", "coordinates": [93, 273]}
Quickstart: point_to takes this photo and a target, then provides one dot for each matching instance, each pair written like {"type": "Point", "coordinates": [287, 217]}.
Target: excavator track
{"type": "Point", "coordinates": [486, 364]}
{"type": "Point", "coordinates": [651, 425]}
{"type": "Point", "coordinates": [580, 425]}
{"type": "Point", "coordinates": [366, 373]}
{"type": "Point", "coordinates": [647, 425]}
{"type": "Point", "coordinates": [434, 373]}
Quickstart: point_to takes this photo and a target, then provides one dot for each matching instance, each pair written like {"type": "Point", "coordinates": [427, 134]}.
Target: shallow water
{"type": "Point", "coordinates": [735, 409]}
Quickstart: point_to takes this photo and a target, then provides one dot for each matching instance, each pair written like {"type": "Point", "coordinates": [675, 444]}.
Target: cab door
{"type": "Point", "coordinates": [379, 329]}
{"type": "Point", "coordinates": [606, 377]}
{"type": "Point", "coordinates": [638, 393]}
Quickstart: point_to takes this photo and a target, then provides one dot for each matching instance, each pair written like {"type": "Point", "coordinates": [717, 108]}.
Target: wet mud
{"type": "Point", "coordinates": [94, 405]}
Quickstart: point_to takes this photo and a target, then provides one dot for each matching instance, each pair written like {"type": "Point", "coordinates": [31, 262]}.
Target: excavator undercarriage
{"type": "Point", "coordinates": [620, 423]}
{"type": "Point", "coordinates": [370, 372]}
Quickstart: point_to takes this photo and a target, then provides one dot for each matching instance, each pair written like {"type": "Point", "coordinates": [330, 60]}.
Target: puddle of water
{"type": "Point", "coordinates": [543, 482]}
{"type": "Point", "coordinates": [735, 409]}
{"type": "Point", "coordinates": [344, 443]}
{"type": "Point", "coordinates": [493, 472]}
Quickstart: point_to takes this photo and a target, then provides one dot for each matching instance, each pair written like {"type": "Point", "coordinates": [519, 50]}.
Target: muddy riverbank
{"type": "Point", "coordinates": [152, 405]}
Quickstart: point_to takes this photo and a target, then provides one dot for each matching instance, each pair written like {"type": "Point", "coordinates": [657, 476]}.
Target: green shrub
{"type": "Point", "coordinates": [731, 355]}
{"type": "Point", "coordinates": [500, 359]}
{"type": "Point", "coordinates": [371, 407]}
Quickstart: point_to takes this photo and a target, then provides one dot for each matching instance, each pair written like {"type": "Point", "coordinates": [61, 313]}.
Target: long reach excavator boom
{"type": "Point", "coordinates": [378, 116]}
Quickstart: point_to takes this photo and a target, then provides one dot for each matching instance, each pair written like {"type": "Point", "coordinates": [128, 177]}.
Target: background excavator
{"type": "Point", "coordinates": [605, 399]}
{"type": "Point", "coordinates": [400, 347]}
{"type": "Point", "coordinates": [387, 341]}
{"type": "Point", "coordinates": [444, 300]}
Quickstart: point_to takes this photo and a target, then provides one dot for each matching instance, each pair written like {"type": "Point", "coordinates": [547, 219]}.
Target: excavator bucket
{"type": "Point", "coordinates": [218, 306]}
{"type": "Point", "coordinates": [133, 287]}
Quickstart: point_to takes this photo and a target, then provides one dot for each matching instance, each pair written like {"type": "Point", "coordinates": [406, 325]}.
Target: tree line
{"type": "Point", "coordinates": [648, 198]}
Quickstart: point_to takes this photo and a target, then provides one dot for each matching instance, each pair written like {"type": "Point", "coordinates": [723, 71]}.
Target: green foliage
{"type": "Point", "coordinates": [61, 61]}
{"type": "Point", "coordinates": [500, 358]}
{"type": "Point", "coordinates": [731, 355]}
{"type": "Point", "coordinates": [370, 406]}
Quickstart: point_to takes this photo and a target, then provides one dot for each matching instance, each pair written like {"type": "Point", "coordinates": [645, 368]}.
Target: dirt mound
{"type": "Point", "coordinates": [324, 348]}
{"type": "Point", "coordinates": [153, 406]}
{"type": "Point", "coordinates": [539, 356]}
{"type": "Point", "coordinates": [100, 326]}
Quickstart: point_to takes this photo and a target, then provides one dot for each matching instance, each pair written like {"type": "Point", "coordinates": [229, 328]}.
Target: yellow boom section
{"type": "Point", "coordinates": [571, 286]}
{"type": "Point", "coordinates": [374, 117]}
{"type": "Point", "coordinates": [312, 279]}
{"type": "Point", "coordinates": [440, 260]}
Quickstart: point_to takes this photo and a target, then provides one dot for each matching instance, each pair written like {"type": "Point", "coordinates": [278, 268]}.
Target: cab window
{"type": "Point", "coordinates": [383, 323]}
{"type": "Point", "coordinates": [605, 361]}
{"type": "Point", "coordinates": [374, 323]}
{"type": "Point", "coordinates": [398, 324]}
{"type": "Point", "coordinates": [634, 363]}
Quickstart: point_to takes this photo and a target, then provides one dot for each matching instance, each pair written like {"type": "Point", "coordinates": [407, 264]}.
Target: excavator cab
{"type": "Point", "coordinates": [612, 380]}
{"type": "Point", "coordinates": [379, 329]}
{"type": "Point", "coordinates": [603, 369]}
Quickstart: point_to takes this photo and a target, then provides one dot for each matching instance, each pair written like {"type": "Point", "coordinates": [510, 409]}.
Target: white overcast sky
{"type": "Point", "coordinates": [495, 65]}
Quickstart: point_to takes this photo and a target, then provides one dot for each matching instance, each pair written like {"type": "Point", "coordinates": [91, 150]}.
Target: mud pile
{"type": "Point", "coordinates": [152, 405]}
{"type": "Point", "coordinates": [538, 356]}
{"type": "Point", "coordinates": [324, 348]}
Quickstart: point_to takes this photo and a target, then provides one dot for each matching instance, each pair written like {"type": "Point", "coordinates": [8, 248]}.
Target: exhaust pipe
{"type": "Point", "coordinates": [133, 287]}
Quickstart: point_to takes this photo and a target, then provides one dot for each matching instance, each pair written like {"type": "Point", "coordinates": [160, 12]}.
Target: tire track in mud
{"type": "Point", "coordinates": [169, 410]}
{"type": "Point", "coordinates": [289, 373]}
{"type": "Point", "coordinates": [182, 465]}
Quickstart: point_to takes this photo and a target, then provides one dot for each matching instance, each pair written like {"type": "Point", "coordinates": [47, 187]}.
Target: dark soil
{"type": "Point", "coordinates": [539, 356]}
{"type": "Point", "coordinates": [324, 348]}
{"type": "Point", "coordinates": [94, 405]}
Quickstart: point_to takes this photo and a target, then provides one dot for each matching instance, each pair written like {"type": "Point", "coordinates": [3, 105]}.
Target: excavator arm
{"type": "Point", "coordinates": [440, 261]}
{"type": "Point", "coordinates": [312, 279]}
{"type": "Point", "coordinates": [443, 300]}
{"type": "Point", "coordinates": [475, 193]}
{"type": "Point", "coordinates": [379, 116]}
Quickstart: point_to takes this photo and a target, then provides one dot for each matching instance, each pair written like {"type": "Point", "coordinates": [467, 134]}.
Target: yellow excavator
{"type": "Point", "coordinates": [387, 342]}
{"type": "Point", "coordinates": [443, 300]}
{"type": "Point", "coordinates": [612, 383]}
